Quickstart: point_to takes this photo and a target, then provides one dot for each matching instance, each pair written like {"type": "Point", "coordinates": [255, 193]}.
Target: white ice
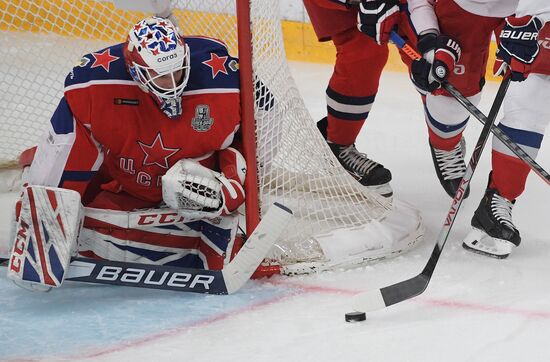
{"type": "Point", "coordinates": [475, 308]}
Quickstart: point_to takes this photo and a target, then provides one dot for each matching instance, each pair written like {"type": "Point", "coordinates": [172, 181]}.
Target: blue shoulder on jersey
{"type": "Point", "coordinates": [103, 64]}
{"type": "Point", "coordinates": [211, 65]}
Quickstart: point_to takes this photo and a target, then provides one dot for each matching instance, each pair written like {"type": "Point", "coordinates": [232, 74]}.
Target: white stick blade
{"type": "Point", "coordinates": [368, 301]}
{"type": "Point", "coordinates": [268, 231]}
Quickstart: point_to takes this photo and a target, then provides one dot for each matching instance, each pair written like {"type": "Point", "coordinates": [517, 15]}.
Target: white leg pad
{"type": "Point", "coordinates": [46, 233]}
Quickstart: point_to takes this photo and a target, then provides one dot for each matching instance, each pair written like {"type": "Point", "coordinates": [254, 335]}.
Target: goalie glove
{"type": "Point", "coordinates": [440, 54]}
{"type": "Point", "coordinates": [198, 192]}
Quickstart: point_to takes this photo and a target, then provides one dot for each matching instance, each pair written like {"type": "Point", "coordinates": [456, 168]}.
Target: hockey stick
{"type": "Point", "coordinates": [465, 102]}
{"type": "Point", "coordinates": [380, 298]}
{"type": "Point", "coordinates": [226, 281]}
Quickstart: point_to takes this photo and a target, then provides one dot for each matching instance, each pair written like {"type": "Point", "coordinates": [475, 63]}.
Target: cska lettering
{"type": "Point", "coordinates": [152, 277]}
{"type": "Point", "coordinates": [19, 247]}
{"type": "Point", "coordinates": [519, 35]}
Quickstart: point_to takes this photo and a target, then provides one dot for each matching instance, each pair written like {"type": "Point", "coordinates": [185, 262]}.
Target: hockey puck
{"type": "Point", "coordinates": [356, 316]}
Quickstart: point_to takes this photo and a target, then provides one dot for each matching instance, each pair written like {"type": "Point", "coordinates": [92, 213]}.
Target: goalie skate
{"type": "Point", "coordinates": [478, 241]}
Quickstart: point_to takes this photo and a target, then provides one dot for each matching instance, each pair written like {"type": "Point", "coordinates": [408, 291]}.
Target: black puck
{"type": "Point", "coordinates": [356, 316]}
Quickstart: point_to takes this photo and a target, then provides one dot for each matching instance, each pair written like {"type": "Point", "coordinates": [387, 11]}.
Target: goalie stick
{"type": "Point", "coordinates": [226, 281]}
{"type": "Point", "coordinates": [465, 102]}
{"type": "Point", "coordinates": [380, 298]}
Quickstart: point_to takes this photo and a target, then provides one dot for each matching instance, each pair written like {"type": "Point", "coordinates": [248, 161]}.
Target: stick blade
{"type": "Point", "coordinates": [247, 260]}
{"type": "Point", "coordinates": [369, 301]}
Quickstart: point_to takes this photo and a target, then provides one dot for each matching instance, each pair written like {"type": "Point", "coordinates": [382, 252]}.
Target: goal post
{"type": "Point", "coordinates": [337, 223]}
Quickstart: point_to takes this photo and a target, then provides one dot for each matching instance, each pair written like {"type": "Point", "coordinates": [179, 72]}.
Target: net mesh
{"type": "Point", "coordinates": [41, 41]}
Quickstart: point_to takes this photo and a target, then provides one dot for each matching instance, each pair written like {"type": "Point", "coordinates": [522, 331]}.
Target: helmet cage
{"type": "Point", "coordinates": [147, 75]}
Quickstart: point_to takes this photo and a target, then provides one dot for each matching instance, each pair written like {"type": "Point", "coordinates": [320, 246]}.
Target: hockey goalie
{"type": "Point", "coordinates": [145, 141]}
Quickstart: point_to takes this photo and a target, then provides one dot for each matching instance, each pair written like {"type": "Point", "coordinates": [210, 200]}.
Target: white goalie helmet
{"type": "Point", "coordinates": [158, 58]}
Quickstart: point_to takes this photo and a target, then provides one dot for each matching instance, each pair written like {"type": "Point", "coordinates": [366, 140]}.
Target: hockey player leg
{"type": "Point", "coordinates": [446, 120]}
{"type": "Point", "coordinates": [350, 96]}
{"type": "Point", "coordinates": [368, 172]}
{"type": "Point", "coordinates": [494, 233]}
{"type": "Point", "coordinates": [46, 231]}
{"type": "Point", "coordinates": [525, 120]}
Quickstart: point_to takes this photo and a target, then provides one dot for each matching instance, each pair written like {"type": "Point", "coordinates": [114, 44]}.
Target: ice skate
{"type": "Point", "coordinates": [450, 167]}
{"type": "Point", "coordinates": [494, 233]}
{"type": "Point", "coordinates": [369, 173]}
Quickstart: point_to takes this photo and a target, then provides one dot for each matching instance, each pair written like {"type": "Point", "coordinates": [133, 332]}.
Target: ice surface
{"type": "Point", "coordinates": [475, 309]}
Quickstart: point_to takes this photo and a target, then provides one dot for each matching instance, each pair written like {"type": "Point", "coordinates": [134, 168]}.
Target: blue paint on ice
{"type": "Point", "coordinates": [79, 318]}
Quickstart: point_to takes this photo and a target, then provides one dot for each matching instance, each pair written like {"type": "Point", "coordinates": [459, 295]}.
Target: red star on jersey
{"type": "Point", "coordinates": [216, 64]}
{"type": "Point", "coordinates": [156, 153]}
{"type": "Point", "coordinates": [103, 59]}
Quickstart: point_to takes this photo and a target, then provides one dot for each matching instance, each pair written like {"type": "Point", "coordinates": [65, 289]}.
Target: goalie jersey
{"type": "Point", "coordinates": [106, 124]}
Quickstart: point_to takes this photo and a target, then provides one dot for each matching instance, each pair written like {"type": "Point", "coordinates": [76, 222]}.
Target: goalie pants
{"type": "Point", "coordinates": [525, 113]}
{"type": "Point", "coordinates": [203, 244]}
{"type": "Point", "coordinates": [359, 62]}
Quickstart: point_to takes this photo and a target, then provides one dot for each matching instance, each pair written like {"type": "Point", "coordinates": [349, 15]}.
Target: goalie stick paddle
{"type": "Point", "coordinates": [226, 281]}
{"type": "Point", "coordinates": [465, 102]}
{"type": "Point", "coordinates": [380, 298]}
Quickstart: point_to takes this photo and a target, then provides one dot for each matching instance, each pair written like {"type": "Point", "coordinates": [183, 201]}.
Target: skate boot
{"type": "Point", "coordinates": [368, 172]}
{"type": "Point", "coordinates": [450, 167]}
{"type": "Point", "coordinates": [494, 233]}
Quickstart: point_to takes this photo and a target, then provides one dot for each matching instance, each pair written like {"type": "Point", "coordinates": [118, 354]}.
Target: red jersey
{"type": "Point", "coordinates": [105, 120]}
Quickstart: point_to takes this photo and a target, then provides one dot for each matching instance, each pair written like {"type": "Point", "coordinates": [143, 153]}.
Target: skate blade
{"type": "Point", "coordinates": [479, 242]}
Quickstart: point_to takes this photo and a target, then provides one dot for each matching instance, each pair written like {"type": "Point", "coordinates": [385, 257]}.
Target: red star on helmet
{"type": "Point", "coordinates": [216, 64]}
{"type": "Point", "coordinates": [103, 59]}
{"type": "Point", "coordinates": [156, 153]}
{"type": "Point", "coordinates": [166, 40]}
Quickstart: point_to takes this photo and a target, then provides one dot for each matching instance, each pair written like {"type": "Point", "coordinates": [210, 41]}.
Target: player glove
{"type": "Point", "coordinates": [377, 18]}
{"type": "Point", "coordinates": [518, 46]}
{"type": "Point", "coordinates": [440, 54]}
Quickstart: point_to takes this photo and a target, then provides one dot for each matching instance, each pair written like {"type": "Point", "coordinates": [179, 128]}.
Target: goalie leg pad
{"type": "Point", "coordinates": [46, 233]}
{"type": "Point", "coordinates": [205, 244]}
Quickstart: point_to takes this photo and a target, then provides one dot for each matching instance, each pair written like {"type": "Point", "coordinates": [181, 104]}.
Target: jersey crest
{"type": "Point", "coordinates": [202, 120]}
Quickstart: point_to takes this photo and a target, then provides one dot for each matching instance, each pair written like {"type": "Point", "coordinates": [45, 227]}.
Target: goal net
{"type": "Point", "coordinates": [337, 221]}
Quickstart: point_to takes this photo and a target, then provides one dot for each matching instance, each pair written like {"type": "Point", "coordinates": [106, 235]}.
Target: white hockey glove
{"type": "Point", "coordinates": [198, 192]}
{"type": "Point", "coordinates": [45, 237]}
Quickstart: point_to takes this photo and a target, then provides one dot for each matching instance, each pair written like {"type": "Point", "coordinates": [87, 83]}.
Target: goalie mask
{"type": "Point", "coordinates": [158, 59]}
